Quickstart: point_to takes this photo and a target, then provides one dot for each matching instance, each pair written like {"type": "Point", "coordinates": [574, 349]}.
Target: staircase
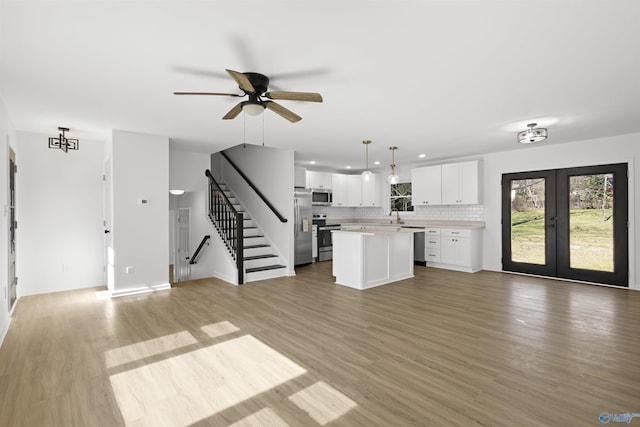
{"type": "Point", "coordinates": [259, 259]}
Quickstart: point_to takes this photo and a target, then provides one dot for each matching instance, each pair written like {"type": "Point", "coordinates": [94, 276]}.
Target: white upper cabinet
{"type": "Point", "coordinates": [371, 191]}
{"type": "Point", "coordinates": [461, 183]}
{"type": "Point", "coordinates": [426, 185]}
{"type": "Point", "coordinates": [354, 190]}
{"type": "Point", "coordinates": [363, 193]}
{"type": "Point", "coordinates": [319, 180]}
{"type": "Point", "coordinates": [340, 189]}
{"type": "Point", "coordinates": [300, 177]}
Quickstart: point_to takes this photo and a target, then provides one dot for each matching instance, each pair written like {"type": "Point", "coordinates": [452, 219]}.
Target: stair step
{"type": "Point", "coordinates": [264, 268]}
{"type": "Point", "coordinates": [252, 237]}
{"type": "Point", "coordinates": [249, 258]}
{"type": "Point", "coordinates": [256, 246]}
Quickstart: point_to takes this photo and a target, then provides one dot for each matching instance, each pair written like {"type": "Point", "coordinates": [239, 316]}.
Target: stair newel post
{"type": "Point", "coordinates": [240, 248]}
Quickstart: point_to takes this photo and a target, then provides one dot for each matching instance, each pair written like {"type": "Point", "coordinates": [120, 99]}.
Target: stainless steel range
{"type": "Point", "coordinates": [325, 247]}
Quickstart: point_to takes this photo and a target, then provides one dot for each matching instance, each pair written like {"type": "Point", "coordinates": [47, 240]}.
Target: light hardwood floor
{"type": "Point", "coordinates": [444, 348]}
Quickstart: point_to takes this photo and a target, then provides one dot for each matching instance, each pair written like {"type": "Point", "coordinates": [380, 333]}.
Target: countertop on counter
{"type": "Point", "coordinates": [407, 223]}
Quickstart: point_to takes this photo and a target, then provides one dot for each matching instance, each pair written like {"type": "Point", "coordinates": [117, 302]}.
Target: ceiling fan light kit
{"type": "Point", "coordinates": [393, 178]}
{"type": "Point", "coordinates": [532, 134]}
{"type": "Point", "coordinates": [255, 86]}
{"type": "Point", "coordinates": [366, 175]}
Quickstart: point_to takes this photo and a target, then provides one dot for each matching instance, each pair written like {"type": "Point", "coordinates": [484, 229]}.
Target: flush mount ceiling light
{"type": "Point", "coordinates": [62, 142]}
{"type": "Point", "coordinates": [366, 175]}
{"type": "Point", "coordinates": [393, 178]}
{"type": "Point", "coordinates": [532, 134]}
{"type": "Point", "coordinates": [176, 192]}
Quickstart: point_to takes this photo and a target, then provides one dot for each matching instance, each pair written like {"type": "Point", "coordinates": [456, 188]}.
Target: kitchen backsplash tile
{"type": "Point", "coordinates": [444, 213]}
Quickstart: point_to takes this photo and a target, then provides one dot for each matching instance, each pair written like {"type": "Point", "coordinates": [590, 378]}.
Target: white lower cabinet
{"type": "Point", "coordinates": [432, 244]}
{"type": "Point", "coordinates": [454, 248]}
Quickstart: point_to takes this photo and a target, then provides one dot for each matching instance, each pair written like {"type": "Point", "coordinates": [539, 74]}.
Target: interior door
{"type": "Point", "coordinates": [570, 223]}
{"type": "Point", "coordinates": [182, 251]}
{"type": "Point", "coordinates": [108, 269]}
{"type": "Point", "coordinates": [12, 279]}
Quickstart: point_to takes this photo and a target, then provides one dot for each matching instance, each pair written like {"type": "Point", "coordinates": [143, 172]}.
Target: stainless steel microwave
{"type": "Point", "coordinates": [321, 197]}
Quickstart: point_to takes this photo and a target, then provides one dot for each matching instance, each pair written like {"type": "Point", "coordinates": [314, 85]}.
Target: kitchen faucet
{"type": "Point", "coordinates": [397, 216]}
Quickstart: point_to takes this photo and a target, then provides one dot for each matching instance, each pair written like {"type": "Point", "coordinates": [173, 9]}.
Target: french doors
{"type": "Point", "coordinates": [568, 223]}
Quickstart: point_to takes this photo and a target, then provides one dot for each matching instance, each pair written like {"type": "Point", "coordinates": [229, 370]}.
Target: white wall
{"type": "Point", "coordinates": [140, 238]}
{"type": "Point", "coordinates": [272, 171]}
{"type": "Point", "coordinates": [186, 170]}
{"type": "Point", "coordinates": [7, 139]}
{"type": "Point", "coordinates": [619, 149]}
{"type": "Point", "coordinates": [59, 212]}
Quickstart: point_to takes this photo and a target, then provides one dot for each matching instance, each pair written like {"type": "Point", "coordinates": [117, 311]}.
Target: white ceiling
{"type": "Point", "coordinates": [445, 78]}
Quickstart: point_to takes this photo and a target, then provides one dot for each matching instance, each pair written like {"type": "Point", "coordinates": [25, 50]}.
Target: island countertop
{"type": "Point", "coordinates": [372, 230]}
{"type": "Point", "coordinates": [364, 222]}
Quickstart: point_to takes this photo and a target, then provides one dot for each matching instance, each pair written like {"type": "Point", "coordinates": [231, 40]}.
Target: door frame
{"type": "Point", "coordinates": [557, 244]}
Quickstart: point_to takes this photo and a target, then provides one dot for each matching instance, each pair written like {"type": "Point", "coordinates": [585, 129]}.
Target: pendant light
{"type": "Point", "coordinates": [393, 178]}
{"type": "Point", "coordinates": [366, 175]}
{"type": "Point", "coordinates": [532, 134]}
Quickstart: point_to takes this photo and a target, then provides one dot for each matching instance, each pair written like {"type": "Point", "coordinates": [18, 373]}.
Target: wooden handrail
{"type": "Point", "coordinates": [194, 258]}
{"type": "Point", "coordinates": [258, 192]}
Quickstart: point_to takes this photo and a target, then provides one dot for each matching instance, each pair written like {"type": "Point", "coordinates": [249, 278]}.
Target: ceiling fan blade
{"type": "Point", "coordinates": [295, 96]}
{"type": "Point", "coordinates": [206, 93]}
{"type": "Point", "coordinates": [233, 113]}
{"type": "Point", "coordinates": [280, 110]}
{"type": "Point", "coordinates": [242, 81]}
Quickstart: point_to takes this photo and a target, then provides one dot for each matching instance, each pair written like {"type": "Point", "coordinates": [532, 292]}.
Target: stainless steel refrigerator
{"type": "Point", "coordinates": [302, 223]}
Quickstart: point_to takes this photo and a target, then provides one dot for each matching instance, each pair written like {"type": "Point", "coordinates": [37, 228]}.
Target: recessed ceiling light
{"type": "Point", "coordinates": [422, 156]}
{"type": "Point", "coordinates": [348, 167]}
{"type": "Point", "coordinates": [312, 162]}
{"type": "Point", "coordinates": [376, 163]}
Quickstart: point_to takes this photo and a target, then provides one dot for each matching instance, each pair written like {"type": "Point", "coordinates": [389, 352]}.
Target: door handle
{"type": "Point", "coordinates": [107, 231]}
{"type": "Point", "coordinates": [553, 223]}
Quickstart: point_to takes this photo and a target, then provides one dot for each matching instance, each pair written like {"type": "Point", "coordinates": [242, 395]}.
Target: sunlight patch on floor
{"type": "Point", "coordinates": [322, 402]}
{"type": "Point", "coordinates": [219, 329]}
{"type": "Point", "coordinates": [182, 390]}
{"type": "Point", "coordinates": [152, 347]}
{"type": "Point", "coordinates": [264, 417]}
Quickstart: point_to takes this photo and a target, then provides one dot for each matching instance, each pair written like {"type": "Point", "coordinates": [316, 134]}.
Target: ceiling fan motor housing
{"type": "Point", "coordinates": [260, 82]}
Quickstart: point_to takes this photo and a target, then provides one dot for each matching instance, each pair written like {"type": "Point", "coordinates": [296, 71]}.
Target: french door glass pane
{"type": "Point", "coordinates": [528, 221]}
{"type": "Point", "coordinates": [591, 222]}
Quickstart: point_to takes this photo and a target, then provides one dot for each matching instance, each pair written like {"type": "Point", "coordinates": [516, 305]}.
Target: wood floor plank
{"type": "Point", "coordinates": [442, 348]}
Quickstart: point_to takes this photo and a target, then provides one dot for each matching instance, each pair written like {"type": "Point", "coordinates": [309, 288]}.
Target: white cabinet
{"type": "Point", "coordinates": [432, 244]}
{"type": "Point", "coordinates": [371, 191]}
{"type": "Point", "coordinates": [426, 185]}
{"type": "Point", "coordinates": [460, 249]}
{"type": "Point", "coordinates": [300, 177]}
{"type": "Point", "coordinates": [318, 180]}
{"type": "Point", "coordinates": [363, 193]}
{"type": "Point", "coordinates": [340, 189]}
{"type": "Point", "coordinates": [461, 183]}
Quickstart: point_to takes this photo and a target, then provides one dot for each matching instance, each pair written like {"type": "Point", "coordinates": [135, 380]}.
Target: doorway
{"type": "Point", "coordinates": [12, 279]}
{"type": "Point", "coordinates": [568, 223]}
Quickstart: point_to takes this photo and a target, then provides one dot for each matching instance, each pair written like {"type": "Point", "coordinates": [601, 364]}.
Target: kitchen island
{"type": "Point", "coordinates": [364, 257]}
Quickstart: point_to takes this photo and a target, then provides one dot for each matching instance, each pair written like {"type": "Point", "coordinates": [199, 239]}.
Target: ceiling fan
{"type": "Point", "coordinates": [255, 85]}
